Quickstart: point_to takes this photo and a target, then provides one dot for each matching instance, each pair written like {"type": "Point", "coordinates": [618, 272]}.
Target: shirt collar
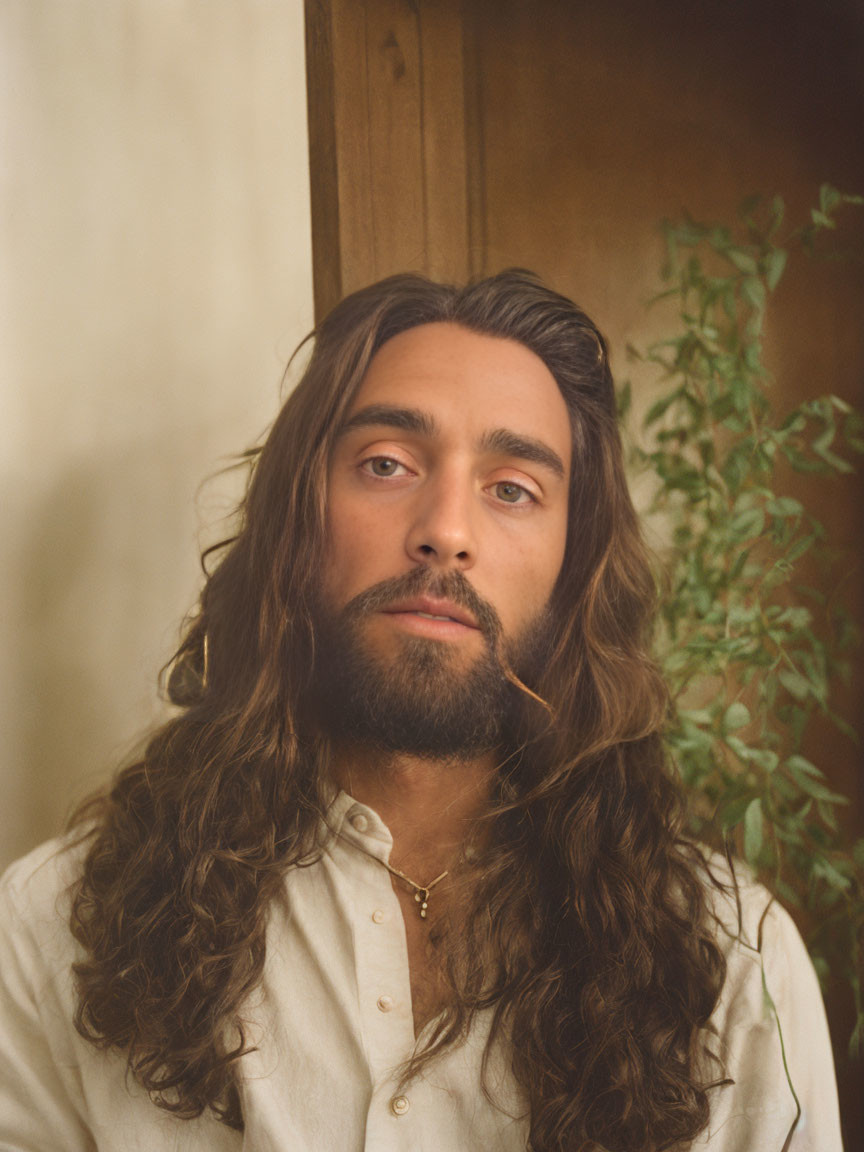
{"type": "Point", "coordinates": [360, 826]}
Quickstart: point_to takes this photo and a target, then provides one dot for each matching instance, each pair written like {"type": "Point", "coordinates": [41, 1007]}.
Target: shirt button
{"type": "Point", "coordinates": [385, 1003]}
{"type": "Point", "coordinates": [359, 822]}
{"type": "Point", "coordinates": [379, 916]}
{"type": "Point", "coordinates": [399, 1105]}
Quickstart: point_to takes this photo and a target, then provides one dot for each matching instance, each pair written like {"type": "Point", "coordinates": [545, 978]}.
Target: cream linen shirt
{"type": "Point", "coordinates": [332, 1021]}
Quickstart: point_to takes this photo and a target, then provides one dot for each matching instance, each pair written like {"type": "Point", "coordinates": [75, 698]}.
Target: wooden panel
{"type": "Point", "coordinates": [387, 142]}
{"type": "Point", "coordinates": [475, 150]}
{"type": "Point", "coordinates": [394, 139]}
{"type": "Point", "coordinates": [445, 165]}
{"type": "Point", "coordinates": [322, 156]}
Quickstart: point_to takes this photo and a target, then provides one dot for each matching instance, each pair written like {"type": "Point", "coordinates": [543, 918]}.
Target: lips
{"type": "Point", "coordinates": [427, 607]}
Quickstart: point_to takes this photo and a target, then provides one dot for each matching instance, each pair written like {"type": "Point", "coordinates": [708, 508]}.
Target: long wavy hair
{"type": "Point", "coordinates": [588, 906]}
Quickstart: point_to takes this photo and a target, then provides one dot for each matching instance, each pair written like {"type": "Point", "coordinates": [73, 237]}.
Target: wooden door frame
{"type": "Point", "coordinates": [395, 180]}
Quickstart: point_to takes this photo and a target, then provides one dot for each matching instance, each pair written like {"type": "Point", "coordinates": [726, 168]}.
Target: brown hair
{"type": "Point", "coordinates": [602, 971]}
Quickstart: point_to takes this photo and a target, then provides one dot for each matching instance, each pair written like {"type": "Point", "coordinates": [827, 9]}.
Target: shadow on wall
{"type": "Point", "coordinates": [107, 572]}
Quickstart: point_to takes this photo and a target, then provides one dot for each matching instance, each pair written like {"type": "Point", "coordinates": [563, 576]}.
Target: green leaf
{"type": "Point", "coordinates": [753, 291]}
{"type": "Point", "coordinates": [775, 264]}
{"type": "Point", "coordinates": [796, 618]}
{"type": "Point", "coordinates": [824, 870]}
{"type": "Point", "coordinates": [797, 550]}
{"type": "Point", "coordinates": [828, 815]}
{"type": "Point", "coordinates": [660, 407]}
{"type": "Point", "coordinates": [738, 566]}
{"type": "Point", "coordinates": [753, 358]}
{"type": "Point", "coordinates": [796, 684]}
{"type": "Point", "coordinates": [742, 260]}
{"type": "Point", "coordinates": [737, 715]}
{"type": "Point", "coordinates": [733, 809]}
{"type": "Point", "coordinates": [746, 524]}
{"type": "Point", "coordinates": [840, 404]}
{"type": "Point", "coordinates": [787, 893]}
{"type": "Point", "coordinates": [820, 791]}
{"type": "Point", "coordinates": [764, 758]}
{"type": "Point", "coordinates": [784, 506]}
{"type": "Point", "coordinates": [856, 1040]}
{"type": "Point", "coordinates": [835, 461]}
{"type": "Point", "coordinates": [798, 763]}
{"type": "Point", "coordinates": [829, 198]}
{"type": "Point", "coordinates": [624, 398]}
{"type": "Point", "coordinates": [753, 831]}
{"type": "Point", "coordinates": [821, 220]}
{"type": "Point", "coordinates": [778, 210]}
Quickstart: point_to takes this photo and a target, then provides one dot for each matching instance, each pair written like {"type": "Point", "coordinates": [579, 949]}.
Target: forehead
{"type": "Point", "coordinates": [469, 380]}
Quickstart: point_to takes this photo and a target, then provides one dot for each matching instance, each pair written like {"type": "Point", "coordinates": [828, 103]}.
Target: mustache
{"type": "Point", "coordinates": [450, 585]}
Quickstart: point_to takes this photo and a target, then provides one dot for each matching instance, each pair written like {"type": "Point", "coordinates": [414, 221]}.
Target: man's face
{"type": "Point", "coordinates": [446, 517]}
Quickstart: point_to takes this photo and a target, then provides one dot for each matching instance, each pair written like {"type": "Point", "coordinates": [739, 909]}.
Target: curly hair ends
{"type": "Point", "coordinates": [588, 934]}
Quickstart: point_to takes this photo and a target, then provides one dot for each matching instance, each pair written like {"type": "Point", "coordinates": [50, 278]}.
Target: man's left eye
{"type": "Point", "coordinates": [512, 493]}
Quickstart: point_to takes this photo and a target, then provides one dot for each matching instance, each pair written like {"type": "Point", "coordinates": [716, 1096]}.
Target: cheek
{"type": "Point", "coordinates": [338, 558]}
{"type": "Point", "coordinates": [546, 554]}
{"type": "Point", "coordinates": [555, 559]}
{"type": "Point", "coordinates": [357, 549]}
{"type": "Point", "coordinates": [525, 577]}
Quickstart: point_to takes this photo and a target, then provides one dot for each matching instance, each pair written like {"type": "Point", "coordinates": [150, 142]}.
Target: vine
{"type": "Point", "coordinates": [751, 642]}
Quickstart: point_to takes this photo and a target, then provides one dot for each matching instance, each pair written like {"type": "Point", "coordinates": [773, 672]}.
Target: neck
{"type": "Point", "coordinates": [428, 805]}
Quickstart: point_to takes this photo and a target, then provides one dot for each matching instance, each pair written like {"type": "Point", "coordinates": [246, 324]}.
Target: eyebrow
{"type": "Point", "coordinates": [523, 448]}
{"type": "Point", "coordinates": [500, 440]}
{"type": "Point", "coordinates": [408, 419]}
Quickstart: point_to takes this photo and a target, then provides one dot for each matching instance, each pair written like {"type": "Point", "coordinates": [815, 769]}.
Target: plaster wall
{"type": "Point", "coordinates": [155, 275]}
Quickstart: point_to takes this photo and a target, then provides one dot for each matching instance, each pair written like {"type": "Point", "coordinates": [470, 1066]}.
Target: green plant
{"type": "Point", "coordinates": [749, 640]}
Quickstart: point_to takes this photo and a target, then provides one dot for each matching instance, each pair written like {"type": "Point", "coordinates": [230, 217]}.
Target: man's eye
{"type": "Point", "coordinates": [512, 493]}
{"type": "Point", "coordinates": [382, 466]}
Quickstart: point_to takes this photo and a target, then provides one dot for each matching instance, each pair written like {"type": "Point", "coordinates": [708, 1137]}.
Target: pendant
{"type": "Point", "coordinates": [422, 900]}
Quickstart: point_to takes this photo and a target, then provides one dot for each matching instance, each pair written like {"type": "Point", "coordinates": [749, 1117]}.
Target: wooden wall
{"type": "Point", "coordinates": [387, 142]}
{"type": "Point", "coordinates": [555, 134]}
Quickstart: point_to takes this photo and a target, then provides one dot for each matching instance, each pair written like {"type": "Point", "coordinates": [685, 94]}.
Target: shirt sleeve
{"type": "Point", "coordinates": [38, 1107]}
{"type": "Point", "coordinates": [793, 988]}
{"type": "Point", "coordinates": [773, 1041]}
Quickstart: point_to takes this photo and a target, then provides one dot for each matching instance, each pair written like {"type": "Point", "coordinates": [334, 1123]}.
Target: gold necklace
{"type": "Point", "coordinates": [421, 891]}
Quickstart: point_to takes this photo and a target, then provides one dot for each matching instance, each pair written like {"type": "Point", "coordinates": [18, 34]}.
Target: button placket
{"type": "Point", "coordinates": [383, 988]}
{"type": "Point", "coordinates": [381, 958]}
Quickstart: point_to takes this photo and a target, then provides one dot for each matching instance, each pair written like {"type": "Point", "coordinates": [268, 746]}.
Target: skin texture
{"type": "Point", "coordinates": [479, 485]}
{"type": "Point", "coordinates": [447, 500]}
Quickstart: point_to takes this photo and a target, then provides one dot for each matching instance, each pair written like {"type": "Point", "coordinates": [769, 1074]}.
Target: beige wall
{"type": "Point", "coordinates": [155, 274]}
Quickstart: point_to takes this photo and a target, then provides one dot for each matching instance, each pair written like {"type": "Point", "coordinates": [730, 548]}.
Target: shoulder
{"type": "Point", "coordinates": [768, 1027]}
{"type": "Point", "coordinates": [35, 897]}
{"type": "Point", "coordinates": [45, 873]}
{"type": "Point", "coordinates": [760, 941]}
{"type": "Point", "coordinates": [748, 919]}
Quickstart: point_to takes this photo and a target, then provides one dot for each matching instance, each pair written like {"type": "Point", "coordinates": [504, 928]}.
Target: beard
{"type": "Point", "coordinates": [423, 701]}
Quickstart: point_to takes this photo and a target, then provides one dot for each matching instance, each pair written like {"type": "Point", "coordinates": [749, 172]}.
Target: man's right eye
{"type": "Point", "coordinates": [382, 466]}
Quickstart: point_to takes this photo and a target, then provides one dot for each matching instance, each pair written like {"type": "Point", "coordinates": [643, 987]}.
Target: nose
{"type": "Point", "coordinates": [441, 533]}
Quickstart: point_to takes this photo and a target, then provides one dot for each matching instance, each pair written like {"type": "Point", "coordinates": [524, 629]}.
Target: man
{"type": "Point", "coordinates": [405, 871]}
